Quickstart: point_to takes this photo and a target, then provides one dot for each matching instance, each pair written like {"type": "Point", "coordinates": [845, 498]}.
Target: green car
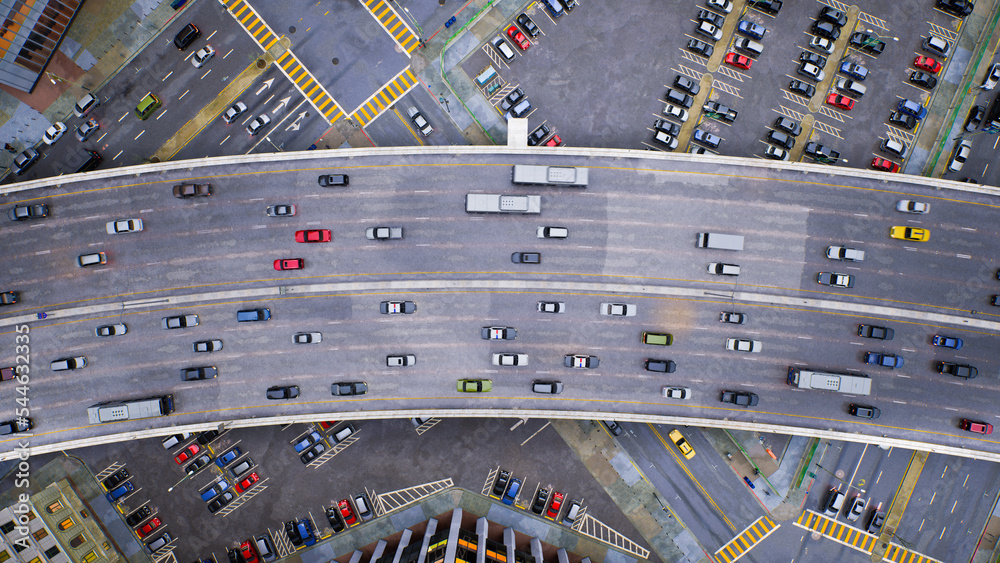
{"type": "Point", "coordinates": [657, 338]}
{"type": "Point", "coordinates": [475, 385]}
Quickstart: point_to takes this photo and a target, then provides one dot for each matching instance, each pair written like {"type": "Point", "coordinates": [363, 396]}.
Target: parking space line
{"type": "Point", "coordinates": [694, 58]}
{"type": "Point", "coordinates": [833, 131]}
{"type": "Point", "coordinates": [386, 16]}
{"type": "Point", "coordinates": [944, 33]}
{"type": "Point", "coordinates": [900, 134]}
{"type": "Point", "coordinates": [732, 73]}
{"type": "Point", "coordinates": [689, 72]}
{"type": "Point", "coordinates": [872, 20]}
{"type": "Point", "coordinates": [795, 98]}
{"type": "Point", "coordinates": [493, 55]}
{"type": "Point", "coordinates": [790, 113]}
{"type": "Point", "coordinates": [376, 104]}
{"type": "Point", "coordinates": [720, 85]}
{"type": "Point", "coordinates": [833, 114]}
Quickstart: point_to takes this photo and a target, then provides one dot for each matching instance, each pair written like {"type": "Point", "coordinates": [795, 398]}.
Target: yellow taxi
{"type": "Point", "coordinates": [910, 233]}
{"type": "Point", "coordinates": [681, 443]}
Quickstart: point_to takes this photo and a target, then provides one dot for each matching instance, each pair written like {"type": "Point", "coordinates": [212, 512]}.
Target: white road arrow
{"type": "Point", "coordinates": [267, 84]}
{"type": "Point", "coordinates": [281, 105]}
{"type": "Point", "coordinates": [294, 126]}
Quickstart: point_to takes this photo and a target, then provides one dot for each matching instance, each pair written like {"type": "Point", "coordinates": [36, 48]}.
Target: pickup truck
{"type": "Point", "coordinates": [185, 191]}
{"type": "Point", "coordinates": [384, 233]}
{"type": "Point", "coordinates": [822, 152]}
{"type": "Point", "coordinates": [725, 113]}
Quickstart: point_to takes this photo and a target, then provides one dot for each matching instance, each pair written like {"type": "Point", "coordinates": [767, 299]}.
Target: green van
{"type": "Point", "coordinates": [147, 106]}
{"type": "Point", "coordinates": [657, 338]}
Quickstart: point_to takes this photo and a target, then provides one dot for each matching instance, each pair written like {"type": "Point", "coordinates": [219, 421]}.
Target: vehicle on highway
{"type": "Point", "coordinates": [976, 115]}
{"type": "Point", "coordinates": [207, 346]}
{"type": "Point", "coordinates": [682, 444]}
{"type": "Point", "coordinates": [21, 424]}
{"type": "Point", "coordinates": [234, 112]}
{"type": "Point", "coordinates": [526, 258]}
{"type": "Point", "coordinates": [281, 210]}
{"type": "Point", "coordinates": [282, 264]}
{"type": "Point", "coordinates": [909, 206]}
{"type": "Point", "coordinates": [397, 307]}
{"type": "Point", "coordinates": [864, 411]}
{"type": "Point", "coordinates": [510, 359]}
{"type": "Point", "coordinates": [283, 392]}
{"type": "Point", "coordinates": [69, 364]}
{"type": "Point", "coordinates": [679, 393]}
{"type": "Point", "coordinates": [203, 55]}
{"type": "Point", "coordinates": [124, 226]}
{"type": "Point", "coordinates": [546, 387]}
{"type": "Point", "coordinates": [660, 366]}
{"type": "Point", "coordinates": [883, 360]}
{"type": "Point", "coordinates": [313, 235]}
{"type": "Point", "coordinates": [54, 133]}
{"type": "Point", "coordinates": [498, 333]}
{"type": "Point", "coordinates": [618, 309]}
{"type": "Point", "coordinates": [400, 360]}
{"type": "Point", "coordinates": [721, 269]}
{"type": "Point", "coordinates": [418, 118]}
{"type": "Point", "coordinates": [111, 330]}
{"type": "Point", "coordinates": [961, 154]}
{"type": "Point", "coordinates": [657, 338]}
{"type": "Point", "coordinates": [740, 398]}
{"type": "Point", "coordinates": [23, 212]}
{"type": "Point", "coordinates": [551, 306]}
{"type": "Point", "coordinates": [258, 124]}
{"type": "Point", "coordinates": [947, 342]}
{"type": "Point", "coordinates": [185, 191]}
{"type": "Point", "coordinates": [733, 318]}
{"type": "Point", "coordinates": [94, 259]}
{"type": "Point", "coordinates": [552, 232]}
{"type": "Point", "coordinates": [964, 371]}
{"type": "Point", "coordinates": [910, 233]}
{"type": "Point", "coordinates": [348, 388]}
{"type": "Point", "coordinates": [307, 338]}
{"type": "Point", "coordinates": [741, 345]}
{"type": "Point", "coordinates": [876, 332]}
{"type": "Point", "coordinates": [581, 361]}
{"type": "Point", "coordinates": [834, 279]}
{"type": "Point", "coordinates": [976, 426]}
{"type": "Point", "coordinates": [475, 385]}
{"type": "Point", "coordinates": [199, 373]}
{"type": "Point", "coordinates": [844, 253]}
{"type": "Point", "coordinates": [334, 180]}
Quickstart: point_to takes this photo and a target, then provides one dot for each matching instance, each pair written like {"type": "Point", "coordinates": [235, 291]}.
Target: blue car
{"type": "Point", "coordinates": [948, 342]}
{"type": "Point", "coordinates": [910, 107]}
{"type": "Point", "coordinates": [228, 457]}
{"type": "Point", "coordinates": [884, 360]}
{"type": "Point", "coordinates": [121, 491]}
{"type": "Point", "coordinates": [305, 531]}
{"type": "Point", "coordinates": [307, 442]}
{"type": "Point", "coordinates": [855, 71]}
{"type": "Point", "coordinates": [511, 494]}
{"type": "Point", "coordinates": [751, 29]}
{"type": "Point", "coordinates": [213, 492]}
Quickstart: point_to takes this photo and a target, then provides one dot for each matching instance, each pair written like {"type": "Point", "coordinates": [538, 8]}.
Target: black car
{"type": "Point", "coordinates": [312, 453]}
{"type": "Point", "coordinates": [958, 370]}
{"type": "Point", "coordinates": [8, 298]}
{"type": "Point", "coordinates": [864, 411]}
{"type": "Point", "coordinates": [207, 436]}
{"type": "Point", "coordinates": [283, 392]}
{"type": "Point", "coordinates": [822, 152]}
{"type": "Point", "coordinates": [500, 485]}
{"type": "Point", "coordinates": [511, 100]}
{"type": "Point", "coordinates": [138, 516]}
{"type": "Point", "coordinates": [976, 115]}
{"type": "Point", "coordinates": [526, 258]}
{"type": "Point", "coordinates": [904, 120]}
{"type": "Point", "coordinates": [686, 84]}
{"type": "Point", "coordinates": [789, 126]}
{"type": "Point", "coordinates": [221, 501]}
{"type": "Point", "coordinates": [538, 135]}
{"type": "Point", "coordinates": [875, 522]}
{"type": "Point", "coordinates": [116, 478]}
{"type": "Point", "coordinates": [867, 43]}
{"type": "Point", "coordinates": [661, 366]}
{"type": "Point", "coordinates": [810, 57]}
{"type": "Point", "coordinates": [348, 388]}
{"type": "Point", "coordinates": [235, 556]}
{"type": "Point", "coordinates": [802, 88]}
{"type": "Point", "coordinates": [333, 516]}
{"type": "Point", "coordinates": [740, 398]}
{"type": "Point", "coordinates": [770, 6]}
{"type": "Point", "coordinates": [198, 463]}
{"type": "Point", "coordinates": [700, 47]}
{"type": "Point", "coordinates": [923, 79]}
{"type": "Point", "coordinates": [195, 374]}
{"type": "Point", "coordinates": [330, 180]}
{"type": "Point", "coordinates": [959, 8]}
{"type": "Point", "coordinates": [781, 139]}
{"type": "Point", "coordinates": [712, 18]}
{"type": "Point", "coordinates": [834, 16]}
{"type": "Point", "coordinates": [22, 212]}
{"type": "Point", "coordinates": [877, 332]}
{"type": "Point", "coordinates": [826, 29]}
{"type": "Point", "coordinates": [186, 36]}
{"type": "Point", "coordinates": [668, 127]}
{"type": "Point", "coordinates": [679, 98]}
{"type": "Point", "coordinates": [528, 25]}
{"type": "Point", "coordinates": [14, 426]}
{"type": "Point", "coordinates": [540, 499]}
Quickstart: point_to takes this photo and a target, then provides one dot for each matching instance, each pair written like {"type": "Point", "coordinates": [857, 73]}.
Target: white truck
{"type": "Point", "coordinates": [129, 410]}
{"type": "Point", "coordinates": [840, 382]}
{"type": "Point", "coordinates": [720, 241]}
{"type": "Point", "coordinates": [558, 176]}
{"type": "Point", "coordinates": [497, 203]}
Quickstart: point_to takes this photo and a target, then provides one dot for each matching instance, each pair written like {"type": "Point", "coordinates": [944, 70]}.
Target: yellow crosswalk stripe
{"type": "Point", "coordinates": [390, 21]}
{"type": "Point", "coordinates": [380, 101]}
{"type": "Point", "coordinates": [747, 539]}
{"type": "Point", "coordinates": [856, 538]}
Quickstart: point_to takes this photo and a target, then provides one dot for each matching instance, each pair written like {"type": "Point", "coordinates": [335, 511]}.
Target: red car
{"type": "Point", "coordinates": [927, 63]}
{"type": "Point", "coordinates": [739, 61]}
{"type": "Point", "coordinates": [148, 528]}
{"type": "Point", "coordinates": [313, 235]}
{"type": "Point", "coordinates": [327, 424]}
{"type": "Point", "coordinates": [976, 426]}
{"type": "Point", "coordinates": [555, 506]}
{"type": "Point", "coordinates": [249, 552]}
{"type": "Point", "coordinates": [885, 165]}
{"type": "Point", "coordinates": [347, 513]}
{"type": "Point", "coordinates": [517, 37]}
{"type": "Point", "coordinates": [289, 263]}
{"type": "Point", "coordinates": [555, 141]}
{"type": "Point", "coordinates": [842, 102]}
{"type": "Point", "coordinates": [187, 453]}
{"type": "Point", "coordinates": [247, 483]}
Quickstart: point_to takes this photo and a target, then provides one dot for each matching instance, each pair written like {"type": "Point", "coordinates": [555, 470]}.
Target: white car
{"type": "Point", "coordinates": [124, 226]}
{"type": "Point", "coordinates": [54, 133]}
{"type": "Point", "coordinates": [680, 114]}
{"type": "Point", "coordinates": [202, 56]}
{"type": "Point", "coordinates": [680, 393]}
{"type": "Point", "coordinates": [551, 306]}
{"type": "Point", "coordinates": [961, 154]}
{"type": "Point", "coordinates": [907, 206]}
{"type": "Point", "coordinates": [419, 122]}
{"type": "Point", "coordinates": [257, 125]}
{"type": "Point", "coordinates": [552, 232]}
{"type": "Point", "coordinates": [844, 253]}
{"type": "Point", "coordinates": [822, 44]}
{"type": "Point", "coordinates": [740, 345]}
{"type": "Point", "coordinates": [618, 309]}
{"type": "Point", "coordinates": [307, 337]}
{"type": "Point", "coordinates": [399, 361]}
{"type": "Point", "coordinates": [724, 6]}
{"type": "Point", "coordinates": [503, 48]}
{"type": "Point", "coordinates": [775, 153]}
{"type": "Point", "coordinates": [233, 112]}
{"type": "Point", "coordinates": [709, 30]}
{"type": "Point", "coordinates": [510, 359]}
{"type": "Point", "coordinates": [992, 78]}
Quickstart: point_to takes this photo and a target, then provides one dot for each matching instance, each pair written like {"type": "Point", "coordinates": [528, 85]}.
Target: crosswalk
{"type": "Point", "coordinates": [385, 97]}
{"type": "Point", "coordinates": [393, 25]}
{"type": "Point", "coordinates": [746, 540]}
{"type": "Point", "coordinates": [856, 538]}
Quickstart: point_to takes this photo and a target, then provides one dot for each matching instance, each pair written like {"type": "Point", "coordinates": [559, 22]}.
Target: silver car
{"type": "Point", "coordinates": [419, 122]}
{"type": "Point", "coordinates": [307, 338]}
{"type": "Point", "coordinates": [207, 346]}
{"type": "Point", "coordinates": [510, 359]}
{"type": "Point", "coordinates": [400, 361]}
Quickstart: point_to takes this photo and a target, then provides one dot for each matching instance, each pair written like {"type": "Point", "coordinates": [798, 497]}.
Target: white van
{"type": "Point", "coordinates": [851, 87]}
{"type": "Point", "coordinates": [343, 433]}
{"type": "Point", "coordinates": [94, 259]}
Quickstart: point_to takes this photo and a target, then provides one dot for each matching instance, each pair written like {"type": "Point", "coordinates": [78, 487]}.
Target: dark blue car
{"type": "Point", "coordinates": [305, 531]}
{"type": "Point", "coordinates": [511, 494]}
{"type": "Point", "coordinates": [121, 491]}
